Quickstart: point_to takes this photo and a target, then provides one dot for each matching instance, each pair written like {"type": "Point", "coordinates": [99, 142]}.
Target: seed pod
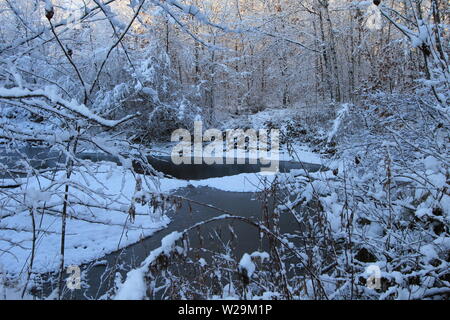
{"type": "Point", "coordinates": [49, 12]}
{"type": "Point", "coordinates": [425, 49]}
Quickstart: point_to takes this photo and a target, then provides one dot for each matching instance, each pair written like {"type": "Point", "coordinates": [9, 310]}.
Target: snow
{"type": "Point", "coordinates": [168, 242]}
{"type": "Point", "coordinates": [245, 182]}
{"type": "Point", "coordinates": [261, 255]}
{"type": "Point", "coordinates": [134, 3]}
{"type": "Point", "coordinates": [428, 252]}
{"type": "Point", "coordinates": [375, 230]}
{"type": "Point", "coordinates": [202, 262]}
{"type": "Point", "coordinates": [373, 18]}
{"type": "Point", "coordinates": [246, 264]}
{"type": "Point", "coordinates": [337, 122]}
{"type": "Point", "coordinates": [12, 293]}
{"type": "Point", "coordinates": [432, 164]}
{"type": "Point", "coordinates": [48, 5]}
{"type": "Point", "coordinates": [35, 197]}
{"type": "Point", "coordinates": [443, 243]}
{"type": "Point", "coordinates": [229, 292]}
{"type": "Point", "coordinates": [418, 39]}
{"type": "Point", "coordinates": [50, 94]}
{"type": "Point", "coordinates": [134, 287]}
{"type": "Point", "coordinates": [190, 9]}
{"type": "Point", "coordinates": [99, 233]}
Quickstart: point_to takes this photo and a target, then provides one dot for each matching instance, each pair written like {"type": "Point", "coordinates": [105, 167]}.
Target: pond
{"type": "Point", "coordinates": [43, 158]}
{"type": "Point", "coordinates": [96, 274]}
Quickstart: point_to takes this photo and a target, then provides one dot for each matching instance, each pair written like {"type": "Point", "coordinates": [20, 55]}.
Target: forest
{"type": "Point", "coordinates": [336, 112]}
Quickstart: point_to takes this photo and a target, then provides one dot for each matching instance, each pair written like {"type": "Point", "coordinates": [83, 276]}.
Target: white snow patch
{"type": "Point", "coordinates": [246, 264]}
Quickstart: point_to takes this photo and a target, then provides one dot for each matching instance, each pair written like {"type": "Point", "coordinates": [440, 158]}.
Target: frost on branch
{"type": "Point", "coordinates": [50, 95]}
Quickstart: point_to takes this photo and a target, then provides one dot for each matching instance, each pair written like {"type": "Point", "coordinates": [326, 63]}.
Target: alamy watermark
{"type": "Point", "coordinates": [73, 282]}
{"type": "Point", "coordinates": [374, 277]}
{"type": "Point", "coordinates": [373, 19]}
{"type": "Point", "coordinates": [233, 146]}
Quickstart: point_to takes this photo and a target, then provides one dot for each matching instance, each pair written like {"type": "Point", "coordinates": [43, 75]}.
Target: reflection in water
{"type": "Point", "coordinates": [43, 158]}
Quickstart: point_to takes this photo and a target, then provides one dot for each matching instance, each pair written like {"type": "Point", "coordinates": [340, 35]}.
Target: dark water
{"type": "Point", "coordinates": [40, 158]}
{"type": "Point", "coordinates": [241, 204]}
{"type": "Point", "coordinates": [204, 171]}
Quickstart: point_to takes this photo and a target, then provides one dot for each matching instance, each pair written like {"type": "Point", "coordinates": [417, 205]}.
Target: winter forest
{"type": "Point", "coordinates": [349, 101]}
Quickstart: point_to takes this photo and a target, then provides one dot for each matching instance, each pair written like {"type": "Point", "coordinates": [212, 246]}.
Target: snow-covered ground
{"type": "Point", "coordinates": [91, 232]}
